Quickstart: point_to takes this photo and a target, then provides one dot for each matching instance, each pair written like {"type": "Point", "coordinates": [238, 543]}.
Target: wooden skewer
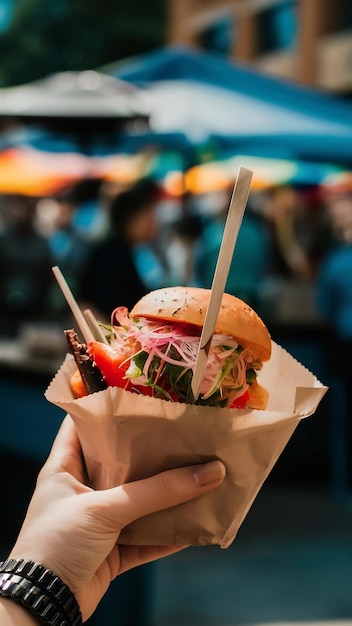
{"type": "Point", "coordinates": [76, 311]}
{"type": "Point", "coordinates": [232, 226]}
{"type": "Point", "coordinates": [94, 326]}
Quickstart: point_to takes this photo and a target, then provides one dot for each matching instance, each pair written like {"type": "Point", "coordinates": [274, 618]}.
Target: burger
{"type": "Point", "coordinates": [152, 350]}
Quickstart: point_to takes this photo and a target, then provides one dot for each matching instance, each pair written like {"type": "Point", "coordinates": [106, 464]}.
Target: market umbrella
{"type": "Point", "coordinates": [53, 129]}
{"type": "Point", "coordinates": [74, 113]}
{"type": "Point", "coordinates": [31, 172]}
{"type": "Point", "coordinates": [267, 172]}
{"type": "Point", "coordinates": [238, 110]}
{"type": "Point", "coordinates": [88, 109]}
{"type": "Point", "coordinates": [87, 97]}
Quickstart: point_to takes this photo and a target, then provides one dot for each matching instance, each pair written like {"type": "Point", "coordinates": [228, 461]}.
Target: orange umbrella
{"type": "Point", "coordinates": [340, 182]}
{"type": "Point", "coordinates": [268, 172]}
{"type": "Point", "coordinates": [208, 177]}
{"type": "Point", "coordinates": [33, 172]}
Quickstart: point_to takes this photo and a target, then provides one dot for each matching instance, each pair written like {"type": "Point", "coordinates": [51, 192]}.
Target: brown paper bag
{"type": "Point", "coordinates": [126, 437]}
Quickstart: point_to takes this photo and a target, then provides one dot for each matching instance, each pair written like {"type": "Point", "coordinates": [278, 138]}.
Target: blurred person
{"type": "Point", "coordinates": [68, 245]}
{"type": "Point", "coordinates": [3, 207]}
{"type": "Point", "coordinates": [298, 229]}
{"type": "Point", "coordinates": [88, 218]}
{"type": "Point", "coordinates": [25, 268]}
{"type": "Point", "coordinates": [71, 532]}
{"type": "Point", "coordinates": [251, 255]}
{"type": "Point", "coordinates": [112, 275]}
{"type": "Point", "coordinates": [180, 250]}
{"type": "Point", "coordinates": [333, 290]}
{"type": "Point", "coordinates": [282, 208]}
{"type": "Point", "coordinates": [298, 236]}
{"type": "Point", "coordinates": [334, 277]}
{"type": "Point", "coordinates": [178, 242]}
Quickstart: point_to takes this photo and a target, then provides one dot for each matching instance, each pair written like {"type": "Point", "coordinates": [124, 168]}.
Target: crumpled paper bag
{"type": "Point", "coordinates": [126, 436]}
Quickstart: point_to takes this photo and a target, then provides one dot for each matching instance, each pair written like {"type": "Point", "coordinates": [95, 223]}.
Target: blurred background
{"type": "Point", "coordinates": [122, 128]}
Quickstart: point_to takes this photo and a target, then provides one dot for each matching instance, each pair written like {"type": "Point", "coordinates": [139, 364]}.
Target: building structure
{"type": "Point", "coordinates": [307, 41]}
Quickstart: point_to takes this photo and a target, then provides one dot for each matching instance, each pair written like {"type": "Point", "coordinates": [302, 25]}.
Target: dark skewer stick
{"type": "Point", "coordinates": [90, 373]}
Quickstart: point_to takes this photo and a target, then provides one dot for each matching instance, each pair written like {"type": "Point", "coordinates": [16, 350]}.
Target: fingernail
{"type": "Point", "coordinates": [209, 473]}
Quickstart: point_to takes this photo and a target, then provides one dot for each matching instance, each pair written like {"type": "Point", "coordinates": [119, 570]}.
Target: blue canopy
{"type": "Point", "coordinates": [209, 99]}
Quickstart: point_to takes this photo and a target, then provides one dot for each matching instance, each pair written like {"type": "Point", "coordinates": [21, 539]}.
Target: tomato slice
{"type": "Point", "coordinates": [112, 365]}
{"type": "Point", "coordinates": [241, 402]}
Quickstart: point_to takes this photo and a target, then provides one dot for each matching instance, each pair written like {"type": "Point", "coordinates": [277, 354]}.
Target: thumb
{"type": "Point", "coordinates": [128, 502]}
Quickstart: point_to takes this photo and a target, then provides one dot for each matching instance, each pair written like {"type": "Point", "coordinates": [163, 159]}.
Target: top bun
{"type": "Point", "coordinates": [189, 305]}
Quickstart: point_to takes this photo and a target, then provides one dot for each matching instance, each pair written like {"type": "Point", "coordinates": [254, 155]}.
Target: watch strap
{"type": "Point", "coordinates": [40, 591]}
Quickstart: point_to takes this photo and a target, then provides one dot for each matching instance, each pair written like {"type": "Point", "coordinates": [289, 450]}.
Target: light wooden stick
{"type": "Point", "coordinates": [94, 326]}
{"type": "Point", "coordinates": [76, 311]}
{"type": "Point", "coordinates": [229, 238]}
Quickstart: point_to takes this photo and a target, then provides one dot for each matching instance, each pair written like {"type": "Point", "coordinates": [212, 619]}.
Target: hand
{"type": "Point", "coordinates": [72, 530]}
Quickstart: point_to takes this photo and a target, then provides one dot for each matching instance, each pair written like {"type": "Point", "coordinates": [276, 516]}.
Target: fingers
{"type": "Point", "coordinates": [134, 500]}
{"type": "Point", "coordinates": [66, 454]}
{"type": "Point", "coordinates": [65, 438]}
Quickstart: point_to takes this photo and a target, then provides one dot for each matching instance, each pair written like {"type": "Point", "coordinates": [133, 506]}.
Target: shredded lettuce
{"type": "Point", "coordinates": [163, 356]}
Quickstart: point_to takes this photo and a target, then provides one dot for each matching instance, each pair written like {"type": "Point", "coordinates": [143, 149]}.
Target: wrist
{"type": "Point", "coordinates": [12, 614]}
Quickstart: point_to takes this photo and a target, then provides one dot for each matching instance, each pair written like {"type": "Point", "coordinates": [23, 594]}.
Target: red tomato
{"type": "Point", "coordinates": [113, 366]}
{"type": "Point", "coordinates": [241, 402]}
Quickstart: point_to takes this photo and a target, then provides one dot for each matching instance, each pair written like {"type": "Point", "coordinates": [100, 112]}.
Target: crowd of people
{"type": "Point", "coordinates": [113, 245]}
{"type": "Point", "coordinates": [116, 243]}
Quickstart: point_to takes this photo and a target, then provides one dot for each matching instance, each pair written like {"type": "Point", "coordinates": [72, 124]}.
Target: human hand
{"type": "Point", "coordinates": [73, 530]}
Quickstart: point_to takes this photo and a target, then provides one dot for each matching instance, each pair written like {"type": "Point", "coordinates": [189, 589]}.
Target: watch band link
{"type": "Point", "coordinates": [40, 591]}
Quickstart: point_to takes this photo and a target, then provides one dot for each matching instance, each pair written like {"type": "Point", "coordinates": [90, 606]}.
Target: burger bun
{"type": "Point", "coordinates": [188, 305]}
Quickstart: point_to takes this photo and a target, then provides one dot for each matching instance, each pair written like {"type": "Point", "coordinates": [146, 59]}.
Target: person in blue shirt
{"type": "Point", "coordinates": [334, 277]}
{"type": "Point", "coordinates": [333, 291]}
{"type": "Point", "coordinates": [250, 260]}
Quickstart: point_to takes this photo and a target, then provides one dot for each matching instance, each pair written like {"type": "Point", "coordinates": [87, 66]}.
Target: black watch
{"type": "Point", "coordinates": [39, 591]}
